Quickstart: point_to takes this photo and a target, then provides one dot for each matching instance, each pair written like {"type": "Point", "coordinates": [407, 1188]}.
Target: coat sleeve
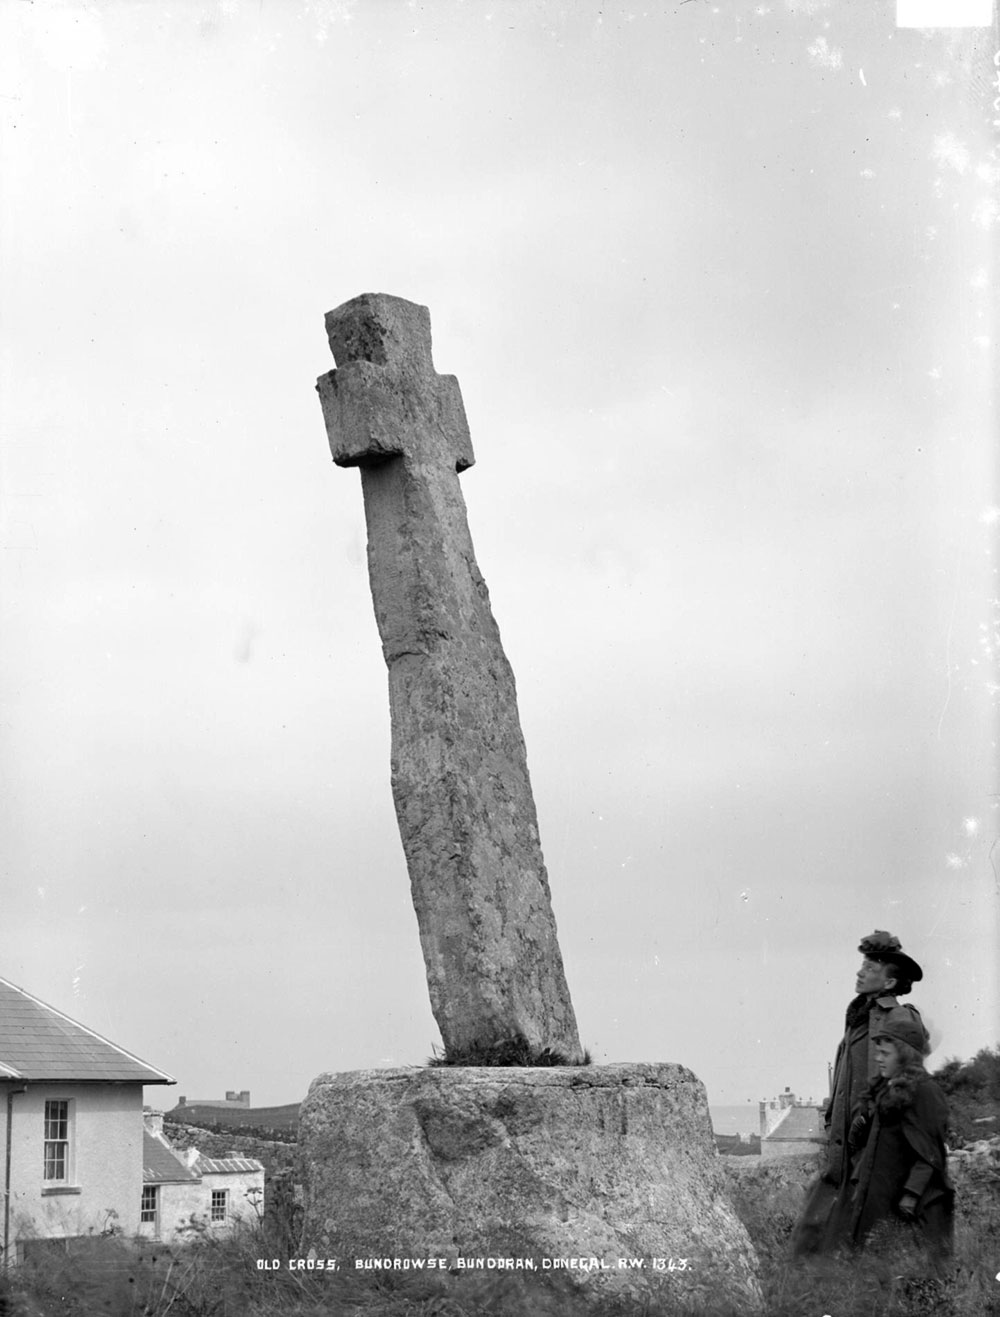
{"type": "Point", "coordinates": [925, 1123]}
{"type": "Point", "coordinates": [919, 1178]}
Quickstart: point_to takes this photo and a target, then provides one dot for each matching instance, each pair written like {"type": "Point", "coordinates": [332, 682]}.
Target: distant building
{"type": "Point", "coordinates": [186, 1189]}
{"type": "Point", "coordinates": [771, 1112]}
{"type": "Point", "coordinates": [790, 1128]}
{"type": "Point", "coordinates": [232, 1099]}
{"type": "Point", "coordinates": [71, 1130]}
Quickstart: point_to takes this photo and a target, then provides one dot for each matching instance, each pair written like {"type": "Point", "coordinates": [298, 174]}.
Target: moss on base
{"type": "Point", "coordinates": [515, 1051]}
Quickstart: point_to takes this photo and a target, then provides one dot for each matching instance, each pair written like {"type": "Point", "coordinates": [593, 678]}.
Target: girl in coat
{"type": "Point", "coordinates": [886, 974]}
{"type": "Point", "coordinates": [902, 1173]}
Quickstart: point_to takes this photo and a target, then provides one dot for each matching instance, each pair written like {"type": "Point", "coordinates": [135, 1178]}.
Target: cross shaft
{"type": "Point", "coordinates": [459, 771]}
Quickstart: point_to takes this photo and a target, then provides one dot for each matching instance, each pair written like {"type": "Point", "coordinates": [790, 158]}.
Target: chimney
{"type": "Point", "coordinates": [153, 1121]}
{"type": "Point", "coordinates": [245, 1096]}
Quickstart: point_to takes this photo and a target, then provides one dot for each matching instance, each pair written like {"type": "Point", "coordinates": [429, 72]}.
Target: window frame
{"type": "Point", "coordinates": [149, 1215]}
{"type": "Point", "coordinates": [218, 1212]}
{"type": "Point", "coordinates": [57, 1142]}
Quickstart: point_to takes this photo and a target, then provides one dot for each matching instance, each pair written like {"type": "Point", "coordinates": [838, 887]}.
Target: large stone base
{"type": "Point", "coordinates": [606, 1173]}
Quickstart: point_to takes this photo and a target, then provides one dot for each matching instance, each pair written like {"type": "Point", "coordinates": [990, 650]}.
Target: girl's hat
{"type": "Point", "coordinates": [903, 1025]}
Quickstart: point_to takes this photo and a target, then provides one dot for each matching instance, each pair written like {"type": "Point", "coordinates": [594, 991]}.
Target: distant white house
{"type": "Point", "coordinates": [235, 1100]}
{"type": "Point", "coordinates": [790, 1128]}
{"type": "Point", "coordinates": [71, 1129]}
{"type": "Point", "coordinates": [184, 1189]}
{"type": "Point", "coordinates": [77, 1156]}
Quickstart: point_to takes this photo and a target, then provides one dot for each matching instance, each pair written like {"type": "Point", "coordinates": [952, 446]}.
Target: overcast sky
{"type": "Point", "coordinates": [716, 282]}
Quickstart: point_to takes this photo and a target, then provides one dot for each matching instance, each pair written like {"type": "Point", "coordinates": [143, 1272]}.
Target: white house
{"type": "Point", "coordinates": [790, 1128]}
{"type": "Point", "coordinates": [71, 1127]}
{"type": "Point", "coordinates": [184, 1188]}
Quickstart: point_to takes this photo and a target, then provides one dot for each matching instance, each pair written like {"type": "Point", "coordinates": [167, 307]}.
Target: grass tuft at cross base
{"type": "Point", "coordinates": [514, 1051]}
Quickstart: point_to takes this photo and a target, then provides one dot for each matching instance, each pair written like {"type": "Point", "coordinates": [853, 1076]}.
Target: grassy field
{"type": "Point", "coordinates": [271, 1122]}
{"type": "Point", "coordinates": [213, 1278]}
{"type": "Point", "coordinates": [208, 1277]}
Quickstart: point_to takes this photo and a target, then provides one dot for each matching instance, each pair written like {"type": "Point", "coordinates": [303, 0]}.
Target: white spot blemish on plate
{"type": "Point", "coordinates": [825, 56]}
{"type": "Point", "coordinates": [948, 150]}
{"type": "Point", "coordinates": [986, 212]}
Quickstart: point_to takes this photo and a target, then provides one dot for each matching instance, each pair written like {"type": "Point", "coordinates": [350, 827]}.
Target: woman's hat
{"type": "Point", "coordinates": [881, 947]}
{"type": "Point", "coordinates": [903, 1025]}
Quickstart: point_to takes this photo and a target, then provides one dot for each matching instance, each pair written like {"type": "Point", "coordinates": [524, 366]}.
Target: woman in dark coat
{"type": "Point", "coordinates": [886, 973]}
{"type": "Point", "coordinates": [902, 1174]}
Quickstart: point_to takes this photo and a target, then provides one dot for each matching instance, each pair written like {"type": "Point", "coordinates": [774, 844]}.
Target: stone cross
{"type": "Point", "coordinates": [459, 772]}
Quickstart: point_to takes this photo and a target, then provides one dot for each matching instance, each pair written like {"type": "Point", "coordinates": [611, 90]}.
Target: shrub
{"type": "Point", "coordinates": [513, 1051]}
{"type": "Point", "coordinates": [980, 1076]}
{"type": "Point", "coordinates": [973, 1092]}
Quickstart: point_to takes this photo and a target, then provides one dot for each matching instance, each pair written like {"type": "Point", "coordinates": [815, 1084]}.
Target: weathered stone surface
{"type": "Point", "coordinates": [599, 1163]}
{"type": "Point", "coordinates": [459, 772]}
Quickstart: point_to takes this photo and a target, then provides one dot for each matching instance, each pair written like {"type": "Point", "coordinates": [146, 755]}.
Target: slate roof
{"type": "Point", "coordinates": [227, 1165]}
{"type": "Point", "coordinates": [160, 1165]}
{"type": "Point", "coordinates": [798, 1123]}
{"type": "Point", "coordinates": [38, 1042]}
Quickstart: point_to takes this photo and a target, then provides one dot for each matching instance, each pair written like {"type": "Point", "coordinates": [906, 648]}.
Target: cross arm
{"type": "Point", "coordinates": [385, 397]}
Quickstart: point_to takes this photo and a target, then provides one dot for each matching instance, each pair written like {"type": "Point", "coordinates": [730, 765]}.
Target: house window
{"type": "Point", "coordinates": [220, 1200]}
{"type": "Point", "coordinates": [147, 1211]}
{"type": "Point", "coordinates": [57, 1140]}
